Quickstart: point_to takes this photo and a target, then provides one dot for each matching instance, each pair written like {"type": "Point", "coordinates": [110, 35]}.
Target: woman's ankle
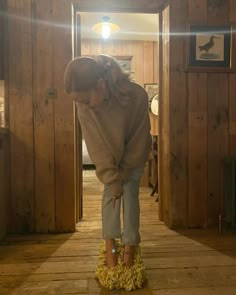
{"type": "Point", "coordinates": [110, 242]}
{"type": "Point", "coordinates": [128, 258]}
{"type": "Point", "coordinates": [111, 258]}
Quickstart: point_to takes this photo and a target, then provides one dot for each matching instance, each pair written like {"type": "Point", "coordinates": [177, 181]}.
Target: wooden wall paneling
{"type": "Point", "coordinates": [218, 141]}
{"type": "Point", "coordinates": [63, 108]}
{"type": "Point", "coordinates": [178, 117]}
{"type": "Point", "coordinates": [105, 47]}
{"type": "Point", "coordinates": [6, 69]}
{"type": "Point", "coordinates": [218, 12]}
{"type": "Point", "coordinates": [154, 123]}
{"type": "Point", "coordinates": [123, 48]}
{"type": "Point", "coordinates": [115, 48]}
{"type": "Point", "coordinates": [138, 67]}
{"type": "Point", "coordinates": [232, 11]}
{"type": "Point", "coordinates": [20, 96]}
{"type": "Point", "coordinates": [137, 49]}
{"type": "Point", "coordinates": [154, 65]}
{"type": "Point", "coordinates": [3, 19]}
{"type": "Point", "coordinates": [156, 49]}
{"type": "Point", "coordinates": [232, 115]}
{"type": "Point", "coordinates": [218, 121]}
{"type": "Point", "coordinates": [96, 47]}
{"type": "Point", "coordinates": [109, 47]}
{"type": "Point", "coordinates": [3, 205]}
{"type": "Point", "coordinates": [164, 154]}
{"type": "Point", "coordinates": [43, 118]}
{"type": "Point", "coordinates": [85, 47]}
{"type": "Point", "coordinates": [78, 157]}
{"type": "Point", "coordinates": [11, 93]}
{"type": "Point", "coordinates": [197, 131]}
{"type": "Point", "coordinates": [232, 93]}
{"type": "Point", "coordinates": [156, 61]}
{"type": "Point", "coordinates": [197, 149]}
{"type": "Point", "coordinates": [148, 62]}
{"type": "Point", "coordinates": [76, 38]}
{"type": "Point", "coordinates": [197, 11]}
{"type": "Point", "coordinates": [160, 116]}
{"type": "Point", "coordinates": [151, 74]}
{"type": "Point", "coordinates": [4, 183]}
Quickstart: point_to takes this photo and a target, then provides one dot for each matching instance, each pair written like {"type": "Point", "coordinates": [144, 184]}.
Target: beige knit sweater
{"type": "Point", "coordinates": [117, 137]}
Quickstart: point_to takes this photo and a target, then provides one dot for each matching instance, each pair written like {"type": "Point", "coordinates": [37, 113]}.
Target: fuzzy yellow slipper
{"type": "Point", "coordinates": [120, 276]}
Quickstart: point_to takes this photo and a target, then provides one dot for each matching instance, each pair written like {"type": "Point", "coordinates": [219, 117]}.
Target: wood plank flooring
{"type": "Point", "coordinates": [190, 262]}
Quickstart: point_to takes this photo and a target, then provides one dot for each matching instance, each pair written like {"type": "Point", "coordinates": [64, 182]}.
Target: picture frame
{"type": "Point", "coordinates": [125, 63]}
{"type": "Point", "coordinates": [211, 48]}
{"type": "Point", "coordinates": [152, 91]}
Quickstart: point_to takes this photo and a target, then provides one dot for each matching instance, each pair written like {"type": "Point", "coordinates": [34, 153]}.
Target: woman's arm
{"type": "Point", "coordinates": [107, 169]}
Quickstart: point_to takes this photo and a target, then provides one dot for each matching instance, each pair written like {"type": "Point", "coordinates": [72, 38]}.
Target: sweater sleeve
{"type": "Point", "coordinates": [107, 170]}
{"type": "Point", "coordinates": [138, 145]}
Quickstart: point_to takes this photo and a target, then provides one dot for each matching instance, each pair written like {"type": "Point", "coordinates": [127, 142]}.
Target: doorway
{"type": "Point", "coordinates": [137, 50]}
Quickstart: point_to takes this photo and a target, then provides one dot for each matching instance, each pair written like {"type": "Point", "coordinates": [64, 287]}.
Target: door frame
{"type": "Point", "coordinates": [123, 6]}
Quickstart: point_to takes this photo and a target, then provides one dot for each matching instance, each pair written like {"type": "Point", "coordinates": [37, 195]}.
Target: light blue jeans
{"type": "Point", "coordinates": [111, 220]}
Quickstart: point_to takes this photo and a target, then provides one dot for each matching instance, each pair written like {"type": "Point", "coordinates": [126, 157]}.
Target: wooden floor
{"type": "Point", "coordinates": [177, 263]}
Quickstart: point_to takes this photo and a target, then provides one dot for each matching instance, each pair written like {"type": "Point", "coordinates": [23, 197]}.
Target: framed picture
{"type": "Point", "coordinates": [210, 48]}
{"type": "Point", "coordinates": [152, 91]}
{"type": "Point", "coordinates": [125, 63]}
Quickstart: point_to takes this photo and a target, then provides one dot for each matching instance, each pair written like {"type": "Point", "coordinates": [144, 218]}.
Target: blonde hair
{"type": "Point", "coordinates": [83, 73]}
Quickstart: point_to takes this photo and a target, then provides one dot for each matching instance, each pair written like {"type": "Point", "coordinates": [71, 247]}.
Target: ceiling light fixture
{"type": "Point", "coordinates": [105, 28]}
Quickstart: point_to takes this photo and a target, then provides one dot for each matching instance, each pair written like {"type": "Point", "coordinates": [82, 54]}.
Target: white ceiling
{"type": "Point", "coordinates": [132, 26]}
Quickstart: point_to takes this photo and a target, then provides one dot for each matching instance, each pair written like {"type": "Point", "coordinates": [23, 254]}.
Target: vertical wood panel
{"type": "Point", "coordinates": [232, 10]}
{"type": "Point", "coordinates": [156, 61]}
{"type": "Point", "coordinates": [155, 119]}
{"type": "Point", "coordinates": [232, 94]}
{"type": "Point", "coordinates": [160, 116]}
{"type": "Point", "coordinates": [142, 55]}
{"type": "Point", "coordinates": [156, 49]}
{"type": "Point", "coordinates": [96, 47]}
{"type": "Point", "coordinates": [43, 118]}
{"type": "Point", "coordinates": [126, 49]}
{"type": "Point", "coordinates": [178, 117]}
{"type": "Point", "coordinates": [109, 47]}
{"type": "Point", "coordinates": [197, 132]}
{"type": "Point", "coordinates": [63, 108]}
{"type": "Point", "coordinates": [21, 116]}
{"type": "Point", "coordinates": [148, 62]}
{"type": "Point", "coordinates": [218, 121]}
{"type": "Point", "coordinates": [138, 61]}
{"type": "Point", "coordinates": [197, 11]}
{"type": "Point", "coordinates": [232, 114]}
{"type": "Point", "coordinates": [4, 183]}
{"type": "Point", "coordinates": [11, 93]}
{"type": "Point", "coordinates": [218, 12]}
{"type": "Point", "coordinates": [3, 19]}
{"type": "Point", "coordinates": [86, 47]}
{"type": "Point", "coordinates": [164, 154]}
{"type": "Point", "coordinates": [197, 148]}
{"type": "Point", "coordinates": [218, 141]}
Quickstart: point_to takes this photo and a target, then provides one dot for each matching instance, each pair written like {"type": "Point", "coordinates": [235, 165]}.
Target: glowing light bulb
{"type": "Point", "coordinates": [106, 30]}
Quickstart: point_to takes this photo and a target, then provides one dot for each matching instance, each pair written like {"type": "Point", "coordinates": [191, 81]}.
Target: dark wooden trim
{"type": "Point", "coordinates": [2, 37]}
{"type": "Point", "coordinates": [130, 6]}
